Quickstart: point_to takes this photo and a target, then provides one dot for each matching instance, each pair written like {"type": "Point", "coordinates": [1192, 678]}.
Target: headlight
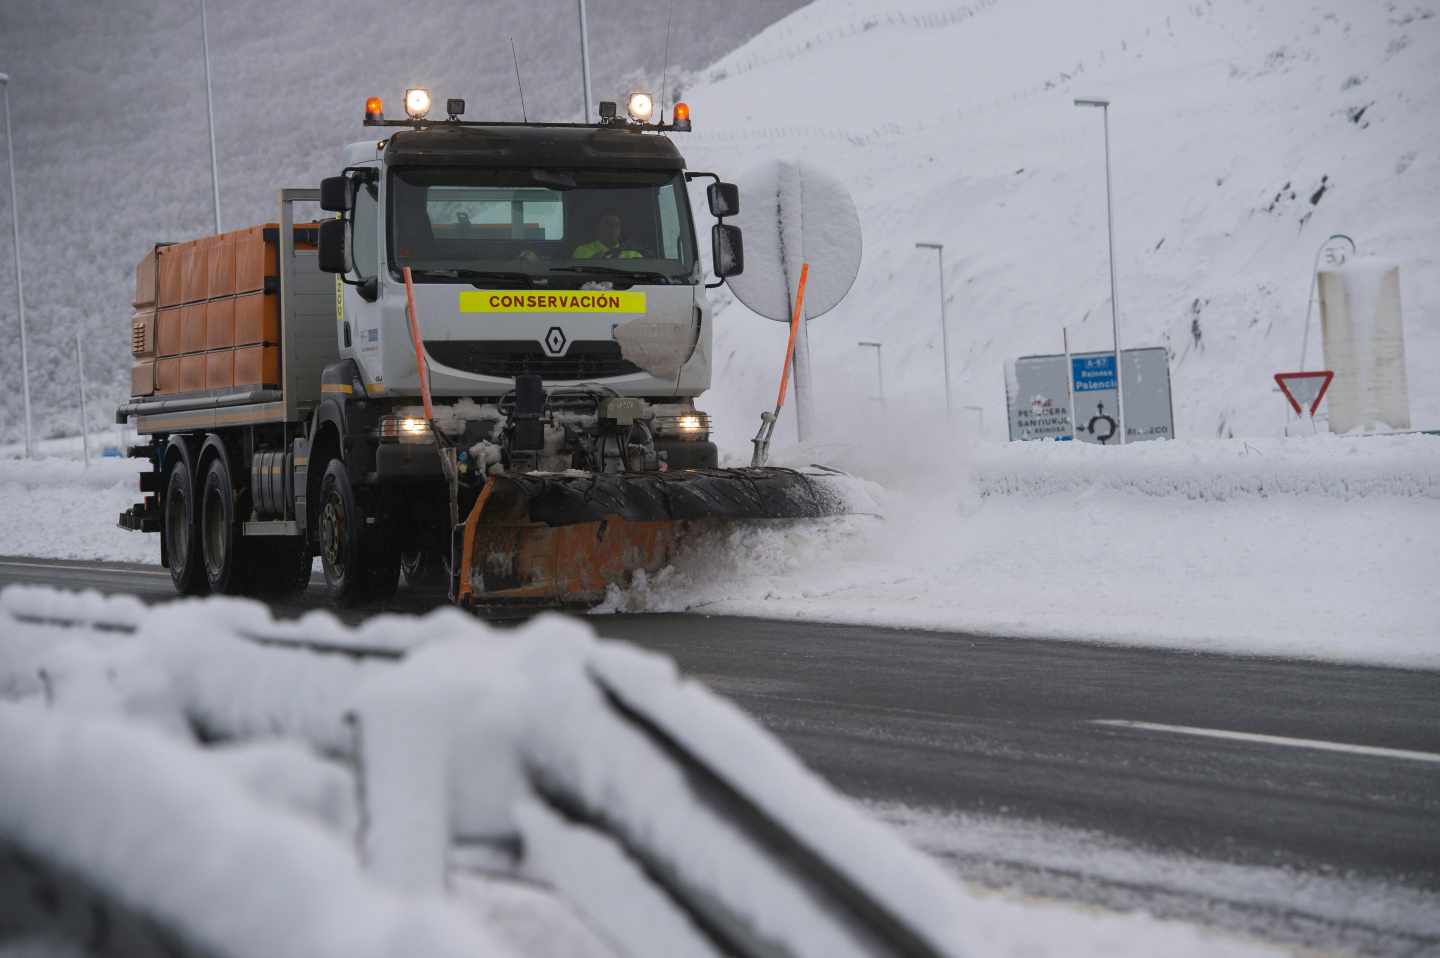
{"type": "Point", "coordinates": [417, 102]}
{"type": "Point", "coordinates": [690, 425]}
{"type": "Point", "coordinates": [640, 106]}
{"type": "Point", "coordinates": [404, 429]}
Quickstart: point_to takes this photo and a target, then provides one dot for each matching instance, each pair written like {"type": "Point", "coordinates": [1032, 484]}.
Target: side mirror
{"type": "Point", "coordinates": [724, 199]}
{"type": "Point", "coordinates": [332, 247]}
{"type": "Point", "coordinates": [335, 194]}
{"type": "Point", "coordinates": [728, 249]}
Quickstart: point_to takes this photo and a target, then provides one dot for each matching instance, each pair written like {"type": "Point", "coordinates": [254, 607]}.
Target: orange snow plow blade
{"type": "Point", "coordinates": [544, 540]}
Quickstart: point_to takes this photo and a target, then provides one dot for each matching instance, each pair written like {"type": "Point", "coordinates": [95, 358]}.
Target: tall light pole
{"type": "Point", "coordinates": [1104, 106]}
{"type": "Point", "coordinates": [944, 321]}
{"type": "Point", "coordinates": [879, 366]}
{"type": "Point", "coordinates": [585, 63]}
{"type": "Point", "coordinates": [210, 115]}
{"type": "Point", "coordinates": [19, 280]}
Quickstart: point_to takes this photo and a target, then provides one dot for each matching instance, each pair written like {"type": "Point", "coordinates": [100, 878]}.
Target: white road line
{"type": "Point", "coordinates": [1275, 740]}
{"type": "Point", "coordinates": [83, 568]}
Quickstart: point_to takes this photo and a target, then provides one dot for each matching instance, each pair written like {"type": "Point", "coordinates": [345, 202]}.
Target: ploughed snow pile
{"type": "Point", "coordinates": [624, 799]}
{"type": "Point", "coordinates": [1320, 547]}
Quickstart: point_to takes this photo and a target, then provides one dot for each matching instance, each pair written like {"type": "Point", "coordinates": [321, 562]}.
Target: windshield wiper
{"type": "Point", "coordinates": [638, 275]}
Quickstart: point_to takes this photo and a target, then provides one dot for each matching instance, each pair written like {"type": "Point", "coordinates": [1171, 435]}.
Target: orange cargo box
{"type": "Point", "coordinates": [192, 328]}
{"type": "Point", "coordinates": [255, 257]}
{"type": "Point", "coordinates": [257, 366]}
{"type": "Point", "coordinates": [220, 266]}
{"type": "Point", "coordinates": [142, 378]}
{"type": "Point", "coordinates": [142, 333]}
{"type": "Point", "coordinates": [257, 319]}
{"type": "Point", "coordinates": [194, 275]}
{"type": "Point", "coordinates": [167, 331]}
{"type": "Point", "coordinates": [167, 375]}
{"type": "Point", "coordinates": [168, 262]}
{"type": "Point", "coordinates": [147, 280]}
{"type": "Point", "coordinates": [220, 369]}
{"type": "Point", "coordinates": [220, 324]}
{"type": "Point", "coordinates": [192, 373]}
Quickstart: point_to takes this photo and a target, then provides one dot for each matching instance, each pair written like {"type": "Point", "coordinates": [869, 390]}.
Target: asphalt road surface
{"type": "Point", "coordinates": [1313, 769]}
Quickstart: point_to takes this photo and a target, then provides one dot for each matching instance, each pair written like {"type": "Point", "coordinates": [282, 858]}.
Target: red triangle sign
{"type": "Point", "coordinates": [1302, 388]}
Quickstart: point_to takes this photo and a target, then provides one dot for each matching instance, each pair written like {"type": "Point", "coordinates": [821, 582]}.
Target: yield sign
{"type": "Point", "coordinates": [1302, 388]}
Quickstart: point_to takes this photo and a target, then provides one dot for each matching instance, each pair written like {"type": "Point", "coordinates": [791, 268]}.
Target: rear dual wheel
{"type": "Point", "coordinates": [181, 530]}
{"type": "Point", "coordinates": [220, 544]}
{"type": "Point", "coordinates": [206, 550]}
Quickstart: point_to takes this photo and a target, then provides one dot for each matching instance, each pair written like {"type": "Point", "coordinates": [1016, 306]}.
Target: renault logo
{"type": "Point", "coordinates": [554, 341]}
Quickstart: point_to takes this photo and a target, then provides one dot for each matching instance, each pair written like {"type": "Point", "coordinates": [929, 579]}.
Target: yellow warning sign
{"type": "Point", "coordinates": [558, 301]}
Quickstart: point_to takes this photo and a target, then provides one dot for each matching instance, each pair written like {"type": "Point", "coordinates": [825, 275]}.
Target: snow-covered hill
{"type": "Point", "coordinates": [111, 151]}
{"type": "Point", "coordinates": [1244, 132]}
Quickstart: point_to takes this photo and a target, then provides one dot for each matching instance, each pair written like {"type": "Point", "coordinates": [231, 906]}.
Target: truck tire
{"type": "Point", "coordinates": [226, 570]}
{"type": "Point", "coordinates": [358, 565]}
{"type": "Point", "coordinates": [181, 531]}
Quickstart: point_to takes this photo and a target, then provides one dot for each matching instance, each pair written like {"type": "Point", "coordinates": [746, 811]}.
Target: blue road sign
{"type": "Point", "coordinates": [1093, 373]}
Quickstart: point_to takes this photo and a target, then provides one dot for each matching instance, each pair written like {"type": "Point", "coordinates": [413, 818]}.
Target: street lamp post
{"type": "Point", "coordinates": [939, 248]}
{"type": "Point", "coordinates": [879, 367]}
{"type": "Point", "coordinates": [19, 279]}
{"type": "Point", "coordinates": [585, 63]}
{"type": "Point", "coordinates": [210, 115]}
{"type": "Point", "coordinates": [1104, 106]}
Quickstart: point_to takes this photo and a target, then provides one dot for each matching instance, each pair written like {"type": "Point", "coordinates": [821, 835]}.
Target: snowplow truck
{"type": "Point", "coordinates": [481, 370]}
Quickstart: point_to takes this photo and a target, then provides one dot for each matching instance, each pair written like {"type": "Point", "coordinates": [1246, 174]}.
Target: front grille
{"type": "Point", "coordinates": [507, 358]}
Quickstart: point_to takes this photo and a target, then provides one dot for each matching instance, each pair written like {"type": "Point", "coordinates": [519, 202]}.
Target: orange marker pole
{"type": "Point", "coordinates": [795, 321]}
{"type": "Point", "coordinates": [420, 365]}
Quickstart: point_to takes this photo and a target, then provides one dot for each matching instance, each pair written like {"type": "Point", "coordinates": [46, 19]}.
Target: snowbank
{"type": "Point", "coordinates": [1319, 548]}
{"type": "Point", "coordinates": [58, 508]}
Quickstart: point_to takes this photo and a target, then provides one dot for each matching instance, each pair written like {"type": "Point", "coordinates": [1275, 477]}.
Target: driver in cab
{"type": "Point", "coordinates": [609, 240]}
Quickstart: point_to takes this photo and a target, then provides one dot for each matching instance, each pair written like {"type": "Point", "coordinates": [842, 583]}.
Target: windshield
{"type": "Point", "coordinates": [552, 227]}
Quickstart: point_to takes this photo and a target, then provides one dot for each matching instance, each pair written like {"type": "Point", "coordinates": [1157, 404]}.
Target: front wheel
{"type": "Point", "coordinates": [356, 570]}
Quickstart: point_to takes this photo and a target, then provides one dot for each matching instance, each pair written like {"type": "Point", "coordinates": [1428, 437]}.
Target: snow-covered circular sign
{"type": "Point", "coordinates": [793, 213]}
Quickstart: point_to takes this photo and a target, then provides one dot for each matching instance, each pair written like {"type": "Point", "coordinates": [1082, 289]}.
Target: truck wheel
{"type": "Point", "coordinates": [358, 565]}
{"type": "Point", "coordinates": [182, 533]}
{"type": "Point", "coordinates": [225, 566]}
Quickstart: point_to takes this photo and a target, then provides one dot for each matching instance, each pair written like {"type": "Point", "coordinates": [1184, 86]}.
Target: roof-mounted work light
{"type": "Point", "coordinates": [640, 106]}
{"type": "Point", "coordinates": [417, 102]}
{"type": "Point", "coordinates": [455, 108]}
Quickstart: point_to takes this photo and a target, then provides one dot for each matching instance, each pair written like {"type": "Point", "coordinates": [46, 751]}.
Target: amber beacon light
{"type": "Point", "coordinates": [374, 109]}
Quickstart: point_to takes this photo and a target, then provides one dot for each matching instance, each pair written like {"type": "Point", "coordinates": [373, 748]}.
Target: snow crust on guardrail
{"type": "Point", "coordinates": [504, 732]}
{"type": "Point", "coordinates": [161, 828]}
{"type": "Point", "coordinates": [522, 738]}
{"type": "Point", "coordinates": [1340, 467]}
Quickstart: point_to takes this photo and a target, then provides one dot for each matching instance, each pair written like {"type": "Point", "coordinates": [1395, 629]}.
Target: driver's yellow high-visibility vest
{"type": "Point", "coordinates": [597, 248]}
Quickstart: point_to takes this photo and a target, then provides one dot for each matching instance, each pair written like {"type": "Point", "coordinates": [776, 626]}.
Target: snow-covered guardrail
{"type": "Point", "coordinates": [663, 815]}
